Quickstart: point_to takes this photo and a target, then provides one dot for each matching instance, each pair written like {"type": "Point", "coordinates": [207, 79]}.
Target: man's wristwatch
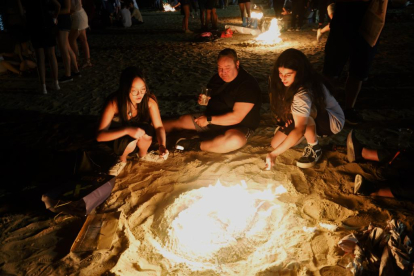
{"type": "Point", "coordinates": [208, 119]}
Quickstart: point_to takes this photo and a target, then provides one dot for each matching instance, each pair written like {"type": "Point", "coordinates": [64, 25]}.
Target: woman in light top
{"type": "Point", "coordinates": [78, 30]}
{"type": "Point", "coordinates": [131, 118]}
{"type": "Point", "coordinates": [301, 100]}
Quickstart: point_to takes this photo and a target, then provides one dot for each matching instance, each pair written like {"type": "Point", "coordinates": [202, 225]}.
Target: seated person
{"type": "Point", "coordinates": [232, 112]}
{"type": "Point", "coordinates": [136, 16]}
{"type": "Point", "coordinates": [15, 62]}
{"type": "Point", "coordinates": [130, 119]}
{"type": "Point", "coordinates": [301, 100]}
{"type": "Point", "coordinates": [125, 16]}
{"type": "Point", "coordinates": [396, 170]}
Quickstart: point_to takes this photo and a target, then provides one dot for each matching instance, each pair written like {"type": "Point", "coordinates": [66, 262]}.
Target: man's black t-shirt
{"type": "Point", "coordinates": [243, 89]}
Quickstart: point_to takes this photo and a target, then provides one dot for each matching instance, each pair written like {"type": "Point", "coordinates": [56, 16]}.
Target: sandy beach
{"type": "Point", "coordinates": [295, 232]}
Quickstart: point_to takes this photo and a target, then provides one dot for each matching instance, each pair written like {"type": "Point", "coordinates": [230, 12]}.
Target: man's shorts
{"type": "Point", "coordinates": [345, 43]}
{"type": "Point", "coordinates": [211, 131]}
{"type": "Point", "coordinates": [243, 1]}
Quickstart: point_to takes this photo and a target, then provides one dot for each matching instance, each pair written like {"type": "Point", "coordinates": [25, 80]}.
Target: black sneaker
{"type": "Point", "coordinates": [353, 148]}
{"type": "Point", "coordinates": [311, 155]}
{"type": "Point", "coordinates": [352, 117]}
{"type": "Point", "coordinates": [65, 79]}
{"type": "Point", "coordinates": [76, 75]}
{"type": "Point", "coordinates": [363, 186]}
{"type": "Point", "coordinates": [185, 144]}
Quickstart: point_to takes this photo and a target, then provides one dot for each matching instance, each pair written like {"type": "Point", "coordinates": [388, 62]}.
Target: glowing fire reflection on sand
{"type": "Point", "coordinates": [229, 229]}
{"type": "Point", "coordinates": [271, 36]}
{"type": "Point", "coordinates": [167, 7]}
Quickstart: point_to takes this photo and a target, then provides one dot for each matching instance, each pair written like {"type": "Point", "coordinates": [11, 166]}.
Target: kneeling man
{"type": "Point", "coordinates": [232, 112]}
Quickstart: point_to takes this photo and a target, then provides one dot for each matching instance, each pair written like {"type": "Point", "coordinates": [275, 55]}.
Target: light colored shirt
{"type": "Point", "coordinates": [126, 18]}
{"type": "Point", "coordinates": [302, 106]}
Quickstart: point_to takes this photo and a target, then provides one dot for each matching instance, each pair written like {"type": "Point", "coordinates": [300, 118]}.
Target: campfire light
{"type": "Point", "coordinates": [256, 15]}
{"type": "Point", "coordinates": [222, 227]}
{"type": "Point", "coordinates": [167, 7]}
{"type": "Point", "coordinates": [271, 36]}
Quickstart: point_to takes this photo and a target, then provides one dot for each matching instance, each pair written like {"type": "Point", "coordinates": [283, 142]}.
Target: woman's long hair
{"type": "Point", "coordinates": [306, 78]}
{"type": "Point", "coordinates": [122, 95]}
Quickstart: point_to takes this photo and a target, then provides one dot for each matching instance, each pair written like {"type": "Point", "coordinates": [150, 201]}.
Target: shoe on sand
{"type": "Point", "coordinates": [363, 186]}
{"type": "Point", "coordinates": [185, 144]}
{"type": "Point", "coordinates": [353, 148]}
{"type": "Point", "coordinates": [311, 155]}
{"type": "Point", "coordinates": [117, 168]}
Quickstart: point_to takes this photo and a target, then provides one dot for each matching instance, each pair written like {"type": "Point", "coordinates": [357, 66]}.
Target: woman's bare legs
{"type": "Point", "coordinates": [143, 144]}
{"type": "Point", "coordinates": [40, 57]}
{"type": "Point", "coordinates": [186, 9]}
{"type": "Point", "coordinates": [73, 36]}
{"type": "Point", "coordinates": [68, 56]}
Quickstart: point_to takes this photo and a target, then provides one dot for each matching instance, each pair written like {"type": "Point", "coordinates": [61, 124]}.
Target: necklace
{"type": "Point", "coordinates": [130, 111]}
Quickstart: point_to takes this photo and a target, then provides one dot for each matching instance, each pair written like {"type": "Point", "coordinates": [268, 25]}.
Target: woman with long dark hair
{"type": "Point", "coordinates": [301, 100]}
{"type": "Point", "coordinates": [131, 118]}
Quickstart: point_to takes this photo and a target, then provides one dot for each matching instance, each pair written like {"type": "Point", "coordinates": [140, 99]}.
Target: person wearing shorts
{"type": "Point", "coordinates": [232, 112]}
{"type": "Point", "coordinates": [244, 6]}
{"type": "Point", "coordinates": [78, 30]}
{"type": "Point", "coordinates": [211, 14]}
{"type": "Point", "coordinates": [303, 105]}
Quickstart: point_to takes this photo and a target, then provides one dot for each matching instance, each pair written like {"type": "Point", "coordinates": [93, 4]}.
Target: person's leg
{"type": "Point", "coordinates": [184, 122]}
{"type": "Point", "coordinates": [242, 7]}
{"type": "Point", "coordinates": [130, 148]}
{"type": "Point", "coordinates": [53, 66]}
{"type": "Point", "coordinates": [231, 140]}
{"type": "Point", "coordinates": [214, 18]}
{"type": "Point", "coordinates": [384, 192]}
{"type": "Point", "coordinates": [186, 9]}
{"type": "Point", "coordinates": [310, 132]}
{"type": "Point", "coordinates": [64, 52]}
{"type": "Point", "coordinates": [143, 144]}
{"type": "Point", "coordinates": [73, 36]}
{"type": "Point", "coordinates": [40, 57]}
{"type": "Point", "coordinates": [208, 17]}
{"type": "Point", "coordinates": [73, 59]}
{"type": "Point", "coordinates": [85, 48]}
{"type": "Point", "coordinates": [352, 88]}
{"type": "Point", "coordinates": [10, 67]}
{"type": "Point", "coordinates": [203, 18]}
{"type": "Point", "coordinates": [247, 5]}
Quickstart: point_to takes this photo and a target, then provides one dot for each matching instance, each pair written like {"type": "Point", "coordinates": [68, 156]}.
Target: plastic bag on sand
{"type": "Point", "coordinates": [388, 251]}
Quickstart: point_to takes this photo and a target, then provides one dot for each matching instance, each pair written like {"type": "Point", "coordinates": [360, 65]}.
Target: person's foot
{"type": "Point", "coordinates": [43, 89]}
{"type": "Point", "coordinates": [297, 29]}
{"type": "Point", "coordinates": [318, 35]}
{"type": "Point", "coordinates": [290, 29]}
{"type": "Point", "coordinates": [76, 74]}
{"type": "Point", "coordinates": [188, 32]}
{"type": "Point", "coordinates": [311, 155]}
{"type": "Point", "coordinates": [352, 117]}
{"type": "Point", "coordinates": [65, 79]}
{"type": "Point", "coordinates": [87, 64]}
{"type": "Point", "coordinates": [117, 168]}
{"type": "Point", "coordinates": [353, 147]}
{"type": "Point", "coordinates": [363, 186]}
{"type": "Point", "coordinates": [55, 86]}
{"type": "Point", "coordinates": [185, 144]}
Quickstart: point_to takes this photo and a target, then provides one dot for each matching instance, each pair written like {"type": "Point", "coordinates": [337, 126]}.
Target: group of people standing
{"type": "Point", "coordinates": [47, 23]}
{"type": "Point", "coordinates": [300, 99]}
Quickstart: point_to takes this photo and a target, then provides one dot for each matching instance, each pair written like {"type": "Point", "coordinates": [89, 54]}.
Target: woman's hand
{"type": "Point", "coordinates": [163, 152]}
{"type": "Point", "coordinates": [270, 161]}
{"type": "Point", "coordinates": [135, 132]}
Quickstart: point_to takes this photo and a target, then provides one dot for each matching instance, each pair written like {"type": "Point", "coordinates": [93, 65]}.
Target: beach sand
{"type": "Point", "coordinates": [287, 233]}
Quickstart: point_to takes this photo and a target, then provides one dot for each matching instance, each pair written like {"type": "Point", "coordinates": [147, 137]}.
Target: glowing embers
{"type": "Point", "coordinates": [228, 229]}
{"type": "Point", "coordinates": [167, 7]}
{"type": "Point", "coordinates": [272, 35]}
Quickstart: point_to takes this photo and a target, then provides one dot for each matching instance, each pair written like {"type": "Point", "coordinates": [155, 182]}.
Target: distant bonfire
{"type": "Point", "coordinates": [167, 7]}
